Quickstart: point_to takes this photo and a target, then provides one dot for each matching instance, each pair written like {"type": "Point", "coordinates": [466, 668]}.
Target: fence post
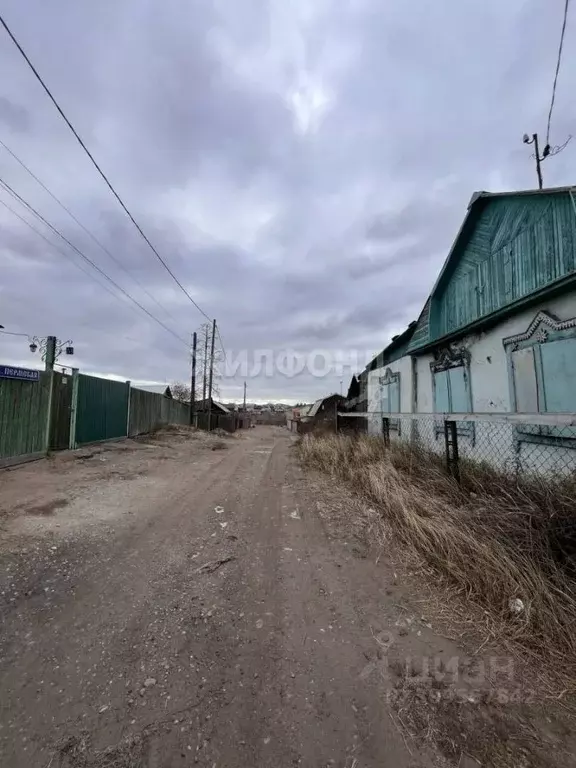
{"type": "Point", "coordinates": [451, 443]}
{"type": "Point", "coordinates": [128, 409]}
{"type": "Point", "coordinates": [386, 431]}
{"type": "Point", "coordinates": [73, 409]}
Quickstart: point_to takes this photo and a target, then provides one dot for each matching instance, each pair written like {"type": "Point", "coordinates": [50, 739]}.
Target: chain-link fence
{"type": "Point", "coordinates": [513, 444]}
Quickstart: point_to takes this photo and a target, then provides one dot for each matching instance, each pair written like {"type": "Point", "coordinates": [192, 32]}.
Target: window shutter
{"type": "Point", "coordinates": [525, 383]}
{"type": "Point", "coordinates": [459, 400]}
{"type": "Point", "coordinates": [394, 396]}
{"type": "Point", "coordinates": [441, 397]}
{"type": "Point", "coordinates": [385, 389]}
{"type": "Point", "coordinates": [559, 375]}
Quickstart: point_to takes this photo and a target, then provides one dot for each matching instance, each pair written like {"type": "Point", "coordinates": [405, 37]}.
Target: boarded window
{"type": "Point", "coordinates": [525, 384]}
{"type": "Point", "coordinates": [543, 377]}
{"type": "Point", "coordinates": [459, 400]}
{"type": "Point", "coordinates": [559, 375]}
{"type": "Point", "coordinates": [390, 397]}
{"type": "Point", "coordinates": [441, 392]}
{"type": "Point", "coordinates": [451, 391]}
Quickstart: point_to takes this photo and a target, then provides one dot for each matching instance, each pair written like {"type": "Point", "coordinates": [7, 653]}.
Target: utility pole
{"type": "Point", "coordinates": [244, 396]}
{"type": "Point", "coordinates": [211, 374]}
{"type": "Point", "coordinates": [539, 160]}
{"type": "Point", "coordinates": [193, 382]}
{"type": "Point", "coordinates": [50, 353]}
{"type": "Point", "coordinates": [205, 364]}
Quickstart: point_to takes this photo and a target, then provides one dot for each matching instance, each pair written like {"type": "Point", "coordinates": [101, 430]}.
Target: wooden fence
{"type": "Point", "coordinates": [24, 411]}
{"type": "Point", "coordinates": [58, 412]}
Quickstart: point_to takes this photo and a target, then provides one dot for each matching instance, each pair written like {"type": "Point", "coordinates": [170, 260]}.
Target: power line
{"type": "Point", "coordinates": [63, 253]}
{"type": "Point", "coordinates": [95, 164]}
{"type": "Point", "coordinates": [94, 238]}
{"type": "Point", "coordinates": [11, 333]}
{"type": "Point", "coordinates": [82, 255]}
{"type": "Point", "coordinates": [560, 48]}
{"type": "Point", "coordinates": [221, 343]}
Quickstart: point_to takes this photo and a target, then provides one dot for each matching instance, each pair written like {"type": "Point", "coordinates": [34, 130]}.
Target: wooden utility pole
{"type": "Point", "coordinates": [539, 160]}
{"type": "Point", "coordinates": [50, 352]}
{"type": "Point", "coordinates": [205, 365]}
{"type": "Point", "coordinates": [211, 374]}
{"type": "Point", "coordinates": [244, 396]}
{"type": "Point", "coordinates": [193, 381]}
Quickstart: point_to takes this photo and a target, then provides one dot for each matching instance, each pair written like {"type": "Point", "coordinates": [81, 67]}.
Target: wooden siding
{"type": "Point", "coordinates": [422, 333]}
{"type": "Point", "coordinates": [509, 248]}
{"type": "Point", "coordinates": [23, 414]}
{"type": "Point", "coordinates": [517, 246]}
{"type": "Point", "coordinates": [150, 411]}
{"type": "Point", "coordinates": [145, 412]}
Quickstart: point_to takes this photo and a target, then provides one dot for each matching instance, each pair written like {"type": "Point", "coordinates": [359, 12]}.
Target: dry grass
{"type": "Point", "coordinates": [76, 752]}
{"type": "Point", "coordinates": [493, 537]}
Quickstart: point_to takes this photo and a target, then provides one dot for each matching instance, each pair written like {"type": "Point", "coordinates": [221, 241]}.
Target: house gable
{"type": "Point", "coordinates": [509, 248]}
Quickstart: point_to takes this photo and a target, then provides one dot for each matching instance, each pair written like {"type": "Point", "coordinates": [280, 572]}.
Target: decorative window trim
{"type": "Point", "coordinates": [538, 332]}
{"type": "Point", "coordinates": [390, 377]}
{"type": "Point", "coordinates": [450, 357]}
{"type": "Point", "coordinates": [543, 328]}
{"type": "Point", "coordinates": [453, 357]}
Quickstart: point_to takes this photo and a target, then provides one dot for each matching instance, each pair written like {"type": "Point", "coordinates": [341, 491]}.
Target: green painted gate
{"type": "Point", "coordinates": [102, 409]}
{"type": "Point", "coordinates": [61, 412]}
{"type": "Point", "coordinates": [23, 417]}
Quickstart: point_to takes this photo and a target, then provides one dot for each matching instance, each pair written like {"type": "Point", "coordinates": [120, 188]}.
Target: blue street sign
{"type": "Point", "coordinates": [25, 374]}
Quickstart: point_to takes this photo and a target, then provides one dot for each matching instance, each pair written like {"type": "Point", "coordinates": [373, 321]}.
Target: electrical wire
{"type": "Point", "coordinates": [83, 256]}
{"type": "Point", "coordinates": [63, 253]}
{"type": "Point", "coordinates": [95, 164]}
{"type": "Point", "coordinates": [221, 343]}
{"type": "Point", "coordinates": [11, 333]}
{"type": "Point", "coordinates": [94, 238]}
{"type": "Point", "coordinates": [560, 48]}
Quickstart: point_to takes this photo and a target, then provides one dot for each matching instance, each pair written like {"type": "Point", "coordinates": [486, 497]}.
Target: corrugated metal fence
{"type": "Point", "coordinates": [81, 409]}
{"type": "Point", "coordinates": [102, 409]}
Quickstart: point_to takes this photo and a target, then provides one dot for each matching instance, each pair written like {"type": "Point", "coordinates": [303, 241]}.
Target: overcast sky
{"type": "Point", "coordinates": [301, 165]}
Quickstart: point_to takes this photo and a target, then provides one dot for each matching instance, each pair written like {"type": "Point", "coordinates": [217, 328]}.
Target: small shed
{"type": "Point", "coordinates": [321, 413]}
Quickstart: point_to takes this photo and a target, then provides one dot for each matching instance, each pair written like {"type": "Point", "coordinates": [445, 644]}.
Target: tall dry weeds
{"type": "Point", "coordinates": [493, 537]}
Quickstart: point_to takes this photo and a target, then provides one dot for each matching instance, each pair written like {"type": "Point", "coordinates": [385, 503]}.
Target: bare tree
{"type": "Point", "coordinates": [203, 364]}
{"type": "Point", "coordinates": [180, 391]}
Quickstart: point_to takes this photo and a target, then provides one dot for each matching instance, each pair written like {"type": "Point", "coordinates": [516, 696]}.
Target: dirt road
{"type": "Point", "coordinates": [165, 604]}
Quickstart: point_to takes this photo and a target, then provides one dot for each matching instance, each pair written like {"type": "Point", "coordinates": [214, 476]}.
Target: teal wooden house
{"type": "Point", "coordinates": [498, 331]}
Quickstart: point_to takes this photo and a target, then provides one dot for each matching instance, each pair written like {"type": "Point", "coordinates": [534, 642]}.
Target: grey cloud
{"type": "Point", "coordinates": [331, 237]}
{"type": "Point", "coordinates": [14, 116]}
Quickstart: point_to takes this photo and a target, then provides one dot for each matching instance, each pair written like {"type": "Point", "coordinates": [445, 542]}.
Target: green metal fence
{"type": "Point", "coordinates": [23, 419]}
{"type": "Point", "coordinates": [101, 409]}
{"type": "Point", "coordinates": [83, 409]}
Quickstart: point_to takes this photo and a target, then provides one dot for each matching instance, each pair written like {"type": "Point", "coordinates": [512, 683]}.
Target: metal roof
{"type": "Point", "coordinates": [157, 389]}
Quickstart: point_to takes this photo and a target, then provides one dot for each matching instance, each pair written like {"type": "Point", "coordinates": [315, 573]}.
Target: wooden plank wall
{"type": "Point", "coordinates": [23, 414]}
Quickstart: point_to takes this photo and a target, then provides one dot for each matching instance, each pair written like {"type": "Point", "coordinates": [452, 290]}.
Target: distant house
{"type": "Point", "coordinates": [321, 413]}
{"type": "Point", "coordinates": [157, 389]}
{"type": "Point", "coordinates": [204, 405]}
{"type": "Point", "coordinates": [497, 333]}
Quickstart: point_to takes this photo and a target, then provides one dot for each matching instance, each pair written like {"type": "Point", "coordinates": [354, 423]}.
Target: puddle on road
{"type": "Point", "coordinates": [48, 508]}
